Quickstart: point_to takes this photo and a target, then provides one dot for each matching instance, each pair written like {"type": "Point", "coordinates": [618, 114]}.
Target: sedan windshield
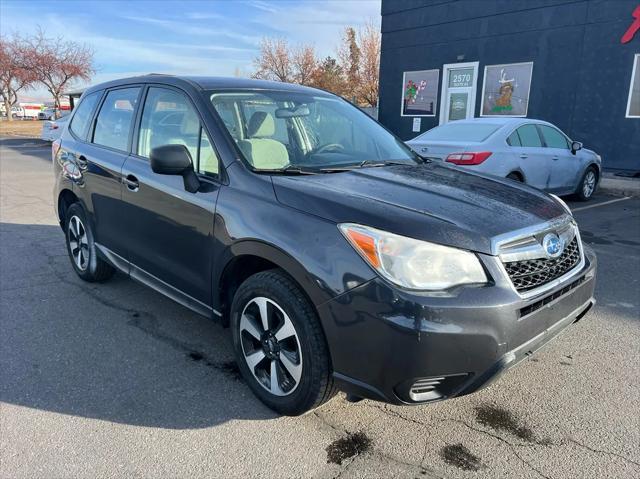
{"type": "Point", "coordinates": [296, 132]}
{"type": "Point", "coordinates": [455, 131]}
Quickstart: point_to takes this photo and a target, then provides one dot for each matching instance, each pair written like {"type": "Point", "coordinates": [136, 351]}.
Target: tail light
{"type": "Point", "coordinates": [55, 147]}
{"type": "Point", "coordinates": [468, 158]}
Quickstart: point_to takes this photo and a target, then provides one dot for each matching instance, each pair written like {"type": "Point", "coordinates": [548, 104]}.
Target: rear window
{"type": "Point", "coordinates": [461, 132]}
{"type": "Point", "coordinates": [84, 112]}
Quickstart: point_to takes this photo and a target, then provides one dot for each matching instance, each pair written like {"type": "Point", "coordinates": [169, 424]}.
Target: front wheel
{"type": "Point", "coordinates": [587, 185]}
{"type": "Point", "coordinates": [279, 345]}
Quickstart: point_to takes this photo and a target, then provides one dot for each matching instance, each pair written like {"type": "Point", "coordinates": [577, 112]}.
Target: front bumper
{"type": "Point", "coordinates": [405, 347]}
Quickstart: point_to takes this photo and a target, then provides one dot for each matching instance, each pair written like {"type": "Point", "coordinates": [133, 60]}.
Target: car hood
{"type": "Point", "coordinates": [432, 202]}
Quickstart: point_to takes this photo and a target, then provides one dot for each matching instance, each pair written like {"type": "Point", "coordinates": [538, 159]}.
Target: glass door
{"type": "Point", "coordinates": [459, 91]}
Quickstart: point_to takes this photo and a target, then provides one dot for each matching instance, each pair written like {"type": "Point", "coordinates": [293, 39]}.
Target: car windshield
{"type": "Point", "coordinates": [288, 131]}
{"type": "Point", "coordinates": [455, 131]}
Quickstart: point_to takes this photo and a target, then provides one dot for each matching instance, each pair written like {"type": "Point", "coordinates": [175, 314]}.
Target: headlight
{"type": "Point", "coordinates": [411, 263]}
{"type": "Point", "coordinates": [562, 203]}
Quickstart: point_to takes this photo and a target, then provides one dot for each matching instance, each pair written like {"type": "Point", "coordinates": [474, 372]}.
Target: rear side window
{"type": "Point", "coordinates": [80, 122]}
{"type": "Point", "coordinates": [529, 136]}
{"type": "Point", "coordinates": [553, 138]}
{"type": "Point", "coordinates": [115, 118]}
{"type": "Point", "coordinates": [514, 139]}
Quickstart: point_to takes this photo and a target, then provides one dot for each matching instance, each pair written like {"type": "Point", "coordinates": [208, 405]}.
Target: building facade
{"type": "Point", "coordinates": [574, 63]}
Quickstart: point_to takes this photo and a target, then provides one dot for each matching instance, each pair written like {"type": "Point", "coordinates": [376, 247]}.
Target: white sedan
{"type": "Point", "coordinates": [52, 129]}
{"type": "Point", "coordinates": [530, 151]}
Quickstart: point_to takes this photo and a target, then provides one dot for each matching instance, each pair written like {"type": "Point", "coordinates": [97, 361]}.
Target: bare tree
{"type": "Point", "coordinates": [369, 39]}
{"type": "Point", "coordinates": [274, 62]}
{"type": "Point", "coordinates": [304, 62]}
{"type": "Point", "coordinates": [13, 77]}
{"type": "Point", "coordinates": [57, 62]}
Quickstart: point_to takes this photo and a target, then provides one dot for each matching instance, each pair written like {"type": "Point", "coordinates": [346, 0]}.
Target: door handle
{"type": "Point", "coordinates": [131, 182]}
{"type": "Point", "coordinates": [555, 158]}
{"type": "Point", "coordinates": [523, 156]}
{"type": "Point", "coordinates": [82, 162]}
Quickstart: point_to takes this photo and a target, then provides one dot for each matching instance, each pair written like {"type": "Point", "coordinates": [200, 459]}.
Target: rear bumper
{"type": "Point", "coordinates": [401, 347]}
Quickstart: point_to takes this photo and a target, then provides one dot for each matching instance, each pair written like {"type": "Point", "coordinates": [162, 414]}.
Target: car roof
{"type": "Point", "coordinates": [209, 83]}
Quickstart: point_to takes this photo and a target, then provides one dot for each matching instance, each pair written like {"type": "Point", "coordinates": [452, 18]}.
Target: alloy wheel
{"type": "Point", "coordinates": [271, 346]}
{"type": "Point", "coordinates": [78, 243]}
{"type": "Point", "coordinates": [589, 184]}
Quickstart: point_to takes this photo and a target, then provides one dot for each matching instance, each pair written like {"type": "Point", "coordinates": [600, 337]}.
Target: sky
{"type": "Point", "coordinates": [216, 37]}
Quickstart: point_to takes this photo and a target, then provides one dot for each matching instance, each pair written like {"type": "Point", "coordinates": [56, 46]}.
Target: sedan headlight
{"type": "Point", "coordinates": [412, 263]}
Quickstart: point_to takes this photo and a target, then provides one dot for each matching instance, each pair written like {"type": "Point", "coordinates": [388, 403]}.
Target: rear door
{"type": "Point", "coordinates": [565, 166]}
{"type": "Point", "coordinates": [526, 147]}
{"type": "Point", "coordinates": [100, 148]}
{"type": "Point", "coordinates": [169, 230]}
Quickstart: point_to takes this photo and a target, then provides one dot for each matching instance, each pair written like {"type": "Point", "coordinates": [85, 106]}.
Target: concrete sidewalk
{"type": "Point", "coordinates": [619, 185]}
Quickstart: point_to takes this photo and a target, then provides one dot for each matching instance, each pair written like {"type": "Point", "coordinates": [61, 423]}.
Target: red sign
{"type": "Point", "coordinates": [635, 26]}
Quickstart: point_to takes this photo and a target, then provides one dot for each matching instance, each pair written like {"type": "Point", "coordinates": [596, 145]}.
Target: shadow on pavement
{"type": "Point", "coordinates": [115, 351]}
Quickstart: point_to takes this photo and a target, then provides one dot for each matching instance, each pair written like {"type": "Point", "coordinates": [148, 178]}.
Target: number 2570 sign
{"type": "Point", "coordinates": [460, 78]}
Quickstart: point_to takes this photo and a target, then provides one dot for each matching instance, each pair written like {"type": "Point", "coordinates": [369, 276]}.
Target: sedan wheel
{"type": "Point", "coordinates": [271, 346]}
{"type": "Point", "coordinates": [589, 184]}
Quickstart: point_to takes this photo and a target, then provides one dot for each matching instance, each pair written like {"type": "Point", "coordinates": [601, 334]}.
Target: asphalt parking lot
{"type": "Point", "coordinates": [115, 380]}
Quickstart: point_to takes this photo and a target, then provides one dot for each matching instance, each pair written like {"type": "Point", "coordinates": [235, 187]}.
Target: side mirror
{"type": "Point", "coordinates": [575, 146]}
{"type": "Point", "coordinates": [175, 160]}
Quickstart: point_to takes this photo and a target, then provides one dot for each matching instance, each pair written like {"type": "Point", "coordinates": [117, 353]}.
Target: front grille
{"type": "Point", "coordinates": [532, 273]}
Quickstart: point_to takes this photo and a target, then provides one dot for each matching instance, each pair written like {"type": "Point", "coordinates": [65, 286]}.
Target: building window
{"type": "Point", "coordinates": [505, 89]}
{"type": "Point", "coordinates": [633, 103]}
{"type": "Point", "coordinates": [420, 93]}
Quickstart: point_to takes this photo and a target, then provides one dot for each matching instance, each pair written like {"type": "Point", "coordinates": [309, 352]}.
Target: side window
{"type": "Point", "coordinates": [207, 158]}
{"type": "Point", "coordinates": [514, 139]}
{"type": "Point", "coordinates": [168, 118]}
{"type": "Point", "coordinates": [80, 122]}
{"type": "Point", "coordinates": [553, 138]}
{"type": "Point", "coordinates": [529, 136]}
{"type": "Point", "coordinates": [115, 118]}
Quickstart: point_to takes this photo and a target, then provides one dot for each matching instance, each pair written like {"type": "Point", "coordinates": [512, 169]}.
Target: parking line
{"type": "Point", "coordinates": [600, 204]}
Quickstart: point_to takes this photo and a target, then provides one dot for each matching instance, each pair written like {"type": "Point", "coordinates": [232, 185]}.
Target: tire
{"type": "Point", "coordinates": [515, 177]}
{"type": "Point", "coordinates": [588, 184]}
{"type": "Point", "coordinates": [83, 255]}
{"type": "Point", "coordinates": [270, 350]}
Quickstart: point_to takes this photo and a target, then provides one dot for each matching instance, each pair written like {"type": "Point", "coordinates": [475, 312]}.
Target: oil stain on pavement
{"type": "Point", "coordinates": [349, 446]}
{"type": "Point", "coordinates": [502, 420]}
{"type": "Point", "coordinates": [459, 456]}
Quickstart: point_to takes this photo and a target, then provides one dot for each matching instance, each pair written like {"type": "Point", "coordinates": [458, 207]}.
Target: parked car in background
{"type": "Point", "coordinates": [52, 129]}
{"type": "Point", "coordinates": [530, 151]}
{"type": "Point", "coordinates": [338, 258]}
{"type": "Point", "coordinates": [47, 114]}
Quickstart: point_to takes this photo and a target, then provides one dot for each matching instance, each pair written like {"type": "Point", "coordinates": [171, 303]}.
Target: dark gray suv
{"type": "Point", "coordinates": [339, 258]}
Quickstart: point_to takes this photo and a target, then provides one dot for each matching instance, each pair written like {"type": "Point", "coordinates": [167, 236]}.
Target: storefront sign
{"type": "Point", "coordinates": [633, 29]}
{"type": "Point", "coordinates": [505, 89]}
{"type": "Point", "coordinates": [462, 77]}
{"type": "Point", "coordinates": [420, 93]}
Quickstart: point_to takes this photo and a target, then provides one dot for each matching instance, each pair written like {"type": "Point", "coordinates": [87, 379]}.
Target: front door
{"type": "Point", "coordinates": [170, 230]}
{"type": "Point", "coordinates": [458, 98]}
{"type": "Point", "coordinates": [565, 166]}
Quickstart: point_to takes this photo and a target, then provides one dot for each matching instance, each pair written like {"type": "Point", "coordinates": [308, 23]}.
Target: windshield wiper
{"type": "Point", "coordinates": [363, 164]}
{"type": "Point", "coordinates": [287, 170]}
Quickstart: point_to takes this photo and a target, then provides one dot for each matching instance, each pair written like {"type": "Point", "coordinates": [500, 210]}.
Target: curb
{"type": "Point", "coordinates": [619, 186]}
